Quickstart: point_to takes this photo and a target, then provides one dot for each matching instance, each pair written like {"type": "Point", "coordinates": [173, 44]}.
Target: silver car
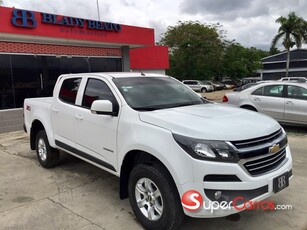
{"type": "Point", "coordinates": [198, 86]}
{"type": "Point", "coordinates": [284, 101]}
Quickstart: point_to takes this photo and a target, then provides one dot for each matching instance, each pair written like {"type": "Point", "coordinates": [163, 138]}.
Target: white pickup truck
{"type": "Point", "coordinates": [176, 154]}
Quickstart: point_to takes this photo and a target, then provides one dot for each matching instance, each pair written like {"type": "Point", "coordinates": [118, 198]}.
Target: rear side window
{"type": "Point", "coordinates": [258, 92]}
{"type": "Point", "coordinates": [273, 90]}
{"type": "Point", "coordinates": [69, 90]}
{"type": "Point", "coordinates": [98, 90]}
{"type": "Point", "coordinates": [270, 91]}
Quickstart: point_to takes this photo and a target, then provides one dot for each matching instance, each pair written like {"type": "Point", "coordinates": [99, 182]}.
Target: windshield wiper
{"type": "Point", "coordinates": [186, 104]}
{"type": "Point", "coordinates": [146, 108]}
{"type": "Point", "coordinates": [152, 108]}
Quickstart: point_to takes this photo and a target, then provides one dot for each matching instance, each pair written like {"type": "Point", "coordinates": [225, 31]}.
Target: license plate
{"type": "Point", "coordinates": [280, 182]}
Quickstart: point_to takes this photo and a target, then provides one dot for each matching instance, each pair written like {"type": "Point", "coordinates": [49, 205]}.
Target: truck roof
{"type": "Point", "coordinates": [111, 75]}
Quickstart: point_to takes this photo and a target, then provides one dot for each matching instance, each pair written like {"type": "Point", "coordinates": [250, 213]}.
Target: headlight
{"type": "Point", "coordinates": [207, 150]}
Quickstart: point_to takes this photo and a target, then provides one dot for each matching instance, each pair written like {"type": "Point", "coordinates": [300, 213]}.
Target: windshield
{"type": "Point", "coordinates": [151, 93]}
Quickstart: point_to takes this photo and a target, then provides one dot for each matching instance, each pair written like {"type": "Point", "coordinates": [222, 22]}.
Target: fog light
{"type": "Point", "coordinates": [217, 195]}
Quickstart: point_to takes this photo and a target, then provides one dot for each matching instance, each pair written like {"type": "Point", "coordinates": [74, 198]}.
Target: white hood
{"type": "Point", "coordinates": [212, 122]}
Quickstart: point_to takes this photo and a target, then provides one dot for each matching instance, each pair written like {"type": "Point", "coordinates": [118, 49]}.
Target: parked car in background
{"type": "Point", "coordinates": [298, 79]}
{"type": "Point", "coordinates": [284, 101]}
{"type": "Point", "coordinates": [198, 86]}
{"type": "Point", "coordinates": [217, 85]}
{"type": "Point", "coordinates": [229, 84]}
{"type": "Point", "coordinates": [247, 80]}
{"type": "Point", "coordinates": [248, 85]}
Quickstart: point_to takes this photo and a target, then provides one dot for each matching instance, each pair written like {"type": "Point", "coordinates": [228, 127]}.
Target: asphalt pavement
{"type": "Point", "coordinates": [77, 195]}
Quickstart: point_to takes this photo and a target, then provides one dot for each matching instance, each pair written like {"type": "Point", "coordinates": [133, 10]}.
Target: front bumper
{"type": "Point", "coordinates": [241, 183]}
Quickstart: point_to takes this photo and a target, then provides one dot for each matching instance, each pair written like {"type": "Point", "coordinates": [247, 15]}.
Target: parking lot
{"type": "Point", "coordinates": [77, 195]}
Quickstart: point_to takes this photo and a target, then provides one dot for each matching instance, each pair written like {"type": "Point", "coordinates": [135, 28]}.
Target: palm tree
{"type": "Point", "coordinates": [291, 32]}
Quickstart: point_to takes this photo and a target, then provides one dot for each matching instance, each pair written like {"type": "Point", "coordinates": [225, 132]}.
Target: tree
{"type": "Point", "coordinates": [195, 50]}
{"type": "Point", "coordinates": [239, 61]}
{"type": "Point", "coordinates": [291, 31]}
{"type": "Point", "coordinates": [274, 50]}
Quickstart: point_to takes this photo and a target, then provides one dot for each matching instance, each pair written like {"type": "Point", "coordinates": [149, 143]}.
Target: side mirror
{"type": "Point", "coordinates": [102, 107]}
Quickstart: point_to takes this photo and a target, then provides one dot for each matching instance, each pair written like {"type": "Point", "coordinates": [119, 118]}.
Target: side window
{"type": "Point", "coordinates": [98, 90]}
{"type": "Point", "coordinates": [194, 83]}
{"type": "Point", "coordinates": [297, 92]}
{"type": "Point", "coordinates": [258, 92]}
{"type": "Point", "coordinates": [69, 90]}
{"type": "Point", "coordinates": [273, 90]}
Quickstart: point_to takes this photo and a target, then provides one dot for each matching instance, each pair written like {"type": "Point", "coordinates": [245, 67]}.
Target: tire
{"type": "Point", "coordinates": [167, 203]}
{"type": "Point", "coordinates": [203, 90]}
{"type": "Point", "coordinates": [251, 108]}
{"type": "Point", "coordinates": [47, 156]}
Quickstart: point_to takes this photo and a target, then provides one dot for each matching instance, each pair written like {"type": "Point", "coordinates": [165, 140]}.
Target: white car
{"type": "Point", "coordinates": [298, 79]}
{"type": "Point", "coordinates": [199, 86]}
{"type": "Point", "coordinates": [282, 100]}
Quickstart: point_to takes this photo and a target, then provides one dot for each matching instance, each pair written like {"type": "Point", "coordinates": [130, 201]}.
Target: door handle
{"type": "Point", "coordinates": [289, 103]}
{"type": "Point", "coordinates": [79, 117]}
{"type": "Point", "coordinates": [55, 110]}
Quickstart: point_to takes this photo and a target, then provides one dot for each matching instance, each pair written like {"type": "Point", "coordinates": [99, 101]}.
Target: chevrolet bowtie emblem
{"type": "Point", "coordinates": [274, 149]}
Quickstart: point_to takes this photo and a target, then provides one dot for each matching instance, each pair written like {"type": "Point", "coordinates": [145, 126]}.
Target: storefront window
{"type": "Point", "coordinates": [105, 64]}
{"type": "Point", "coordinates": [79, 65]}
{"type": "Point", "coordinates": [6, 83]}
{"type": "Point", "coordinates": [26, 76]}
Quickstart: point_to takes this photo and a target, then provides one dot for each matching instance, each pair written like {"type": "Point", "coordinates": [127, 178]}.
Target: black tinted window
{"type": "Point", "coordinates": [69, 90]}
{"type": "Point", "coordinates": [150, 93]}
{"type": "Point", "coordinates": [97, 90]}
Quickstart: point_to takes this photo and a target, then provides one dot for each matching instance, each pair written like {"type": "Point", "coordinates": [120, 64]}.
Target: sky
{"type": "Point", "coordinates": [249, 22]}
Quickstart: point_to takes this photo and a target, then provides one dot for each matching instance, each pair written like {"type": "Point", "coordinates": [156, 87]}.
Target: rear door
{"type": "Point", "coordinates": [63, 110]}
{"type": "Point", "coordinates": [270, 100]}
{"type": "Point", "coordinates": [296, 104]}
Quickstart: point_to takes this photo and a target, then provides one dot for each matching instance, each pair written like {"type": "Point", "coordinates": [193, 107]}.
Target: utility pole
{"type": "Point", "coordinates": [98, 11]}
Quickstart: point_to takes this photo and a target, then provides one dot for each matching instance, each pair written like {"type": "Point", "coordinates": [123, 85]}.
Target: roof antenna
{"type": "Point", "coordinates": [142, 73]}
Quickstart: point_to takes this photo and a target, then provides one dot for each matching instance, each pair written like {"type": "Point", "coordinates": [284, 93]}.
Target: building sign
{"type": "Point", "coordinates": [33, 25]}
{"type": "Point", "coordinates": [27, 19]}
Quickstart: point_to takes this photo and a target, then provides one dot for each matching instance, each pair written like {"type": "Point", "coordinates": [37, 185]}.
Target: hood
{"type": "Point", "coordinates": [212, 122]}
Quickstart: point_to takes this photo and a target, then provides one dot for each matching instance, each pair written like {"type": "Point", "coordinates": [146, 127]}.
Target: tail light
{"type": "Point", "coordinates": [225, 99]}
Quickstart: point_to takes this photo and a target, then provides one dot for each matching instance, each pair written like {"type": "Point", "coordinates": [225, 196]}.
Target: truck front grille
{"type": "Point", "coordinates": [265, 164]}
{"type": "Point", "coordinates": [256, 154]}
{"type": "Point", "coordinates": [257, 141]}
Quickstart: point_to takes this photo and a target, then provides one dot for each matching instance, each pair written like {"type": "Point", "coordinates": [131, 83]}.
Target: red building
{"type": "Point", "coordinates": [35, 48]}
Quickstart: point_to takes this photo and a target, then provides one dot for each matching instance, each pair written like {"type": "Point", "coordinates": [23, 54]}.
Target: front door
{"type": "Point", "coordinates": [95, 135]}
{"type": "Point", "coordinates": [296, 104]}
